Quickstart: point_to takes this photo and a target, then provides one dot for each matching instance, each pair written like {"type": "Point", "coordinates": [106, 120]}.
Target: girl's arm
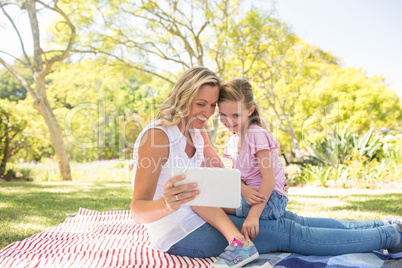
{"type": "Point", "coordinates": [251, 195]}
{"type": "Point", "coordinates": [211, 158]}
{"type": "Point", "coordinates": [153, 152]}
{"type": "Point", "coordinates": [250, 225]}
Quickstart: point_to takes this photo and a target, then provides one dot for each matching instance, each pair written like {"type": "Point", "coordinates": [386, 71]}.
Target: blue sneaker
{"type": "Point", "coordinates": [396, 252]}
{"type": "Point", "coordinates": [237, 255]}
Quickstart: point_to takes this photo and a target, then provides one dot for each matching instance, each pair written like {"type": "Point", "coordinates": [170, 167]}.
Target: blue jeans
{"type": "Point", "coordinates": [274, 209]}
{"type": "Point", "coordinates": [293, 233]}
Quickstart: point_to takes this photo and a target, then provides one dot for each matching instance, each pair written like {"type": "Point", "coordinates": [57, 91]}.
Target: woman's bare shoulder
{"type": "Point", "coordinates": [154, 138]}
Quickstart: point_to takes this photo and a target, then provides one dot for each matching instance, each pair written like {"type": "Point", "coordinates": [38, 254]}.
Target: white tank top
{"type": "Point", "coordinates": [167, 231]}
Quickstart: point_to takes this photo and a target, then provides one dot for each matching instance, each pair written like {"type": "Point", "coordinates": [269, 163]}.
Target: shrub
{"type": "Point", "coordinates": [355, 173]}
{"type": "Point", "coordinates": [337, 149]}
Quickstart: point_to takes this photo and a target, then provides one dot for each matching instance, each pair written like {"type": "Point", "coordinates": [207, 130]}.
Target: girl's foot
{"type": "Point", "coordinates": [237, 254]}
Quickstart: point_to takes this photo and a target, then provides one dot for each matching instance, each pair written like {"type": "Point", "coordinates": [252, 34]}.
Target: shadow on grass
{"type": "Point", "coordinates": [21, 185]}
{"type": "Point", "coordinates": [386, 203]}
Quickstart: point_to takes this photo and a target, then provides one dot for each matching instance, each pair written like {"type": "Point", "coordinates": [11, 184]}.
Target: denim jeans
{"type": "Point", "coordinates": [274, 209]}
{"type": "Point", "coordinates": [293, 233]}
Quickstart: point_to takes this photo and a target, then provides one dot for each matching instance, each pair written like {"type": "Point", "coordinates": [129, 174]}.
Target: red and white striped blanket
{"type": "Point", "coordinates": [93, 239]}
{"type": "Point", "coordinates": [112, 239]}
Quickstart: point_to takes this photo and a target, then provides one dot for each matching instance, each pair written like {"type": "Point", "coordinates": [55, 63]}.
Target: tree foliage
{"type": "Point", "coordinates": [10, 87]}
{"type": "Point", "coordinates": [20, 133]}
{"type": "Point", "coordinates": [102, 107]}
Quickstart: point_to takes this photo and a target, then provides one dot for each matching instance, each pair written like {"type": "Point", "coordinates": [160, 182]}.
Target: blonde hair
{"type": "Point", "coordinates": [180, 97]}
{"type": "Point", "coordinates": [241, 90]}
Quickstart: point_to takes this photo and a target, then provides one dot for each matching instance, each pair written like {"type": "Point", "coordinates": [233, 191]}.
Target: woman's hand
{"type": "Point", "coordinates": [252, 196]}
{"type": "Point", "coordinates": [177, 196]}
{"type": "Point", "coordinates": [250, 227]}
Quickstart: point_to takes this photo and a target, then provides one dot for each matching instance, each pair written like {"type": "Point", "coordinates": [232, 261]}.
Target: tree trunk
{"type": "Point", "coordinates": [6, 156]}
{"type": "Point", "coordinates": [295, 142]}
{"type": "Point", "coordinates": [296, 148]}
{"type": "Point", "coordinates": [56, 136]}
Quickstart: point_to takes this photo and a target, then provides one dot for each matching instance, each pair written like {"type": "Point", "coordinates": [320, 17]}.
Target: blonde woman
{"type": "Point", "coordinates": [177, 137]}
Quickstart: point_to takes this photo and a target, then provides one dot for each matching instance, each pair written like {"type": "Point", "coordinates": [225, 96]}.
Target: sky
{"type": "Point", "coordinates": [363, 33]}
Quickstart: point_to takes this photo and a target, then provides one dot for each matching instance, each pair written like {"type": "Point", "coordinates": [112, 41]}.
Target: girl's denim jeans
{"type": "Point", "coordinates": [274, 209]}
{"type": "Point", "coordinates": [293, 233]}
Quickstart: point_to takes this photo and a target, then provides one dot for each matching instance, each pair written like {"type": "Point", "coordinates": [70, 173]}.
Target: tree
{"type": "Point", "coordinates": [97, 102]}
{"type": "Point", "coordinates": [13, 132]}
{"type": "Point", "coordinates": [160, 38]}
{"type": "Point", "coordinates": [40, 66]}
{"type": "Point", "coordinates": [361, 102]}
{"type": "Point", "coordinates": [282, 67]}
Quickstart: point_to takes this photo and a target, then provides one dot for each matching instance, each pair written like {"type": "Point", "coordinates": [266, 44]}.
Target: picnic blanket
{"type": "Point", "coordinates": [112, 239]}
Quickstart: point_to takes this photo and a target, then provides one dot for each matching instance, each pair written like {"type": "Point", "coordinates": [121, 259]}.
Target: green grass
{"type": "Point", "coordinates": [48, 171]}
{"type": "Point", "coordinates": [27, 208]}
{"type": "Point", "coordinates": [346, 204]}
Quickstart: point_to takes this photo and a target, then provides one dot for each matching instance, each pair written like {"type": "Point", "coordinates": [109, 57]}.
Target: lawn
{"type": "Point", "coordinates": [27, 208]}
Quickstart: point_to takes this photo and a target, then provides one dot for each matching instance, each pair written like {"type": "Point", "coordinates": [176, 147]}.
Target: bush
{"type": "Point", "coordinates": [392, 147]}
{"type": "Point", "coordinates": [25, 172]}
{"type": "Point", "coordinates": [355, 173]}
{"type": "Point", "coordinates": [338, 149]}
{"type": "Point", "coordinates": [348, 161]}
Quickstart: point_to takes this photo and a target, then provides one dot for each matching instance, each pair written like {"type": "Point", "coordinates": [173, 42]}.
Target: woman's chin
{"type": "Point", "coordinates": [199, 124]}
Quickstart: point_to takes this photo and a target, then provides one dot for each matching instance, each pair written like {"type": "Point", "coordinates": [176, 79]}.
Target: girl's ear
{"type": "Point", "coordinates": [251, 110]}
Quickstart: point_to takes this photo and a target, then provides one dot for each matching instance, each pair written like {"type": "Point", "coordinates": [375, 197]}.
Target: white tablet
{"type": "Point", "coordinates": [219, 187]}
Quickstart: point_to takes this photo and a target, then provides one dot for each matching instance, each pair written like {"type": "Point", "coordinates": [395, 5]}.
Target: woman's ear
{"type": "Point", "coordinates": [251, 110]}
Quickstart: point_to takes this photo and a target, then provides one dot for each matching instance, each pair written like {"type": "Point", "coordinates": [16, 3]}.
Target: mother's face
{"type": "Point", "coordinates": [203, 106]}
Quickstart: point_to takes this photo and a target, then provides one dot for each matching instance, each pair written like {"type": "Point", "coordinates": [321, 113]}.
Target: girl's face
{"type": "Point", "coordinates": [203, 106]}
{"type": "Point", "coordinates": [234, 115]}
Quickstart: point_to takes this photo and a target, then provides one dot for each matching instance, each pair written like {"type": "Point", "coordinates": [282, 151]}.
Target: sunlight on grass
{"type": "Point", "coordinates": [348, 204]}
{"type": "Point", "coordinates": [32, 223]}
{"type": "Point", "coordinates": [29, 208]}
{"type": "Point", "coordinates": [4, 205]}
{"type": "Point", "coordinates": [105, 170]}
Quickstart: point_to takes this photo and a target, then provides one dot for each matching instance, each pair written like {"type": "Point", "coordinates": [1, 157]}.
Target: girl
{"type": "Point", "coordinates": [254, 152]}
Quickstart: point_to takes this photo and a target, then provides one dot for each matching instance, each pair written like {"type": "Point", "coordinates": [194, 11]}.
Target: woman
{"type": "Point", "coordinates": [177, 138]}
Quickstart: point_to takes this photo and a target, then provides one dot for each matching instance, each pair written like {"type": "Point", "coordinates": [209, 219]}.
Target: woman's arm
{"type": "Point", "coordinates": [211, 158]}
{"type": "Point", "coordinates": [152, 153]}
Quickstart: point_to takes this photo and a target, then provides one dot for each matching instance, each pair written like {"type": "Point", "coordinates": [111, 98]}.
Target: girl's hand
{"type": "Point", "coordinates": [177, 196]}
{"type": "Point", "coordinates": [250, 228]}
{"type": "Point", "coordinates": [252, 196]}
